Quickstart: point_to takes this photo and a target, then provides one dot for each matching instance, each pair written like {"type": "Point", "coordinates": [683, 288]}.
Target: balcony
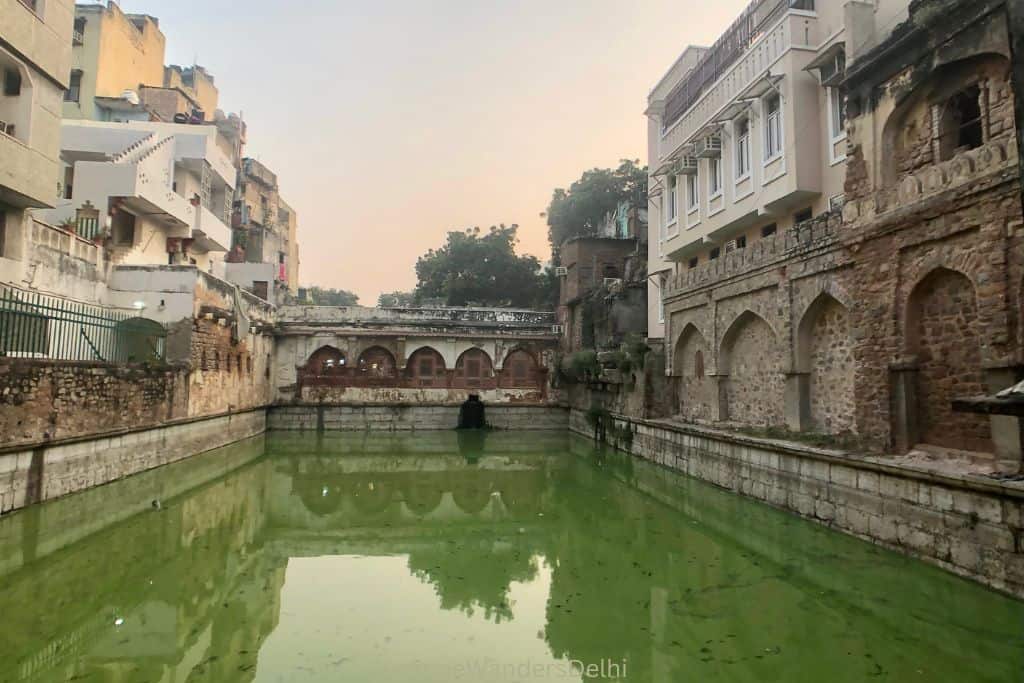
{"type": "Point", "coordinates": [210, 232]}
{"type": "Point", "coordinates": [733, 69]}
{"type": "Point", "coordinates": [26, 176]}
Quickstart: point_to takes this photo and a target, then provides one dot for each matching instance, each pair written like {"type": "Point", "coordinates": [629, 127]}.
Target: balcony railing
{"type": "Point", "coordinates": [758, 16]}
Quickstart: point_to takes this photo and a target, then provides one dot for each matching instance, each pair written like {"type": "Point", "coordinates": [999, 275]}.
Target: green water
{"type": "Point", "coordinates": [452, 557]}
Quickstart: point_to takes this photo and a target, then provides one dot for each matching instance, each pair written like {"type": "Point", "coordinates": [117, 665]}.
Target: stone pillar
{"type": "Point", "coordinates": [798, 401]}
{"type": "Point", "coordinates": [720, 409]}
{"type": "Point", "coordinates": [906, 432]}
{"type": "Point", "coordinates": [1007, 430]}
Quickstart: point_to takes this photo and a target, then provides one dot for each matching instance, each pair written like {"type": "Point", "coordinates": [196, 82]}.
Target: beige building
{"type": "Point", "coordinates": [748, 137]}
{"type": "Point", "coordinates": [118, 72]}
{"type": "Point", "coordinates": [35, 60]}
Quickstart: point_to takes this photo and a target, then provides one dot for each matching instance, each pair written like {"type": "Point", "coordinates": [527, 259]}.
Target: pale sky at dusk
{"type": "Point", "coordinates": [390, 123]}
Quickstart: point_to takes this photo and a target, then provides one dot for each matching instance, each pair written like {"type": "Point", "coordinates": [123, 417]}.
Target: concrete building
{"type": "Point", "coordinates": [35, 59]}
{"type": "Point", "coordinates": [118, 72]}
{"type": "Point", "coordinates": [153, 193]}
{"type": "Point", "coordinates": [747, 138]}
{"type": "Point", "coordinates": [265, 228]}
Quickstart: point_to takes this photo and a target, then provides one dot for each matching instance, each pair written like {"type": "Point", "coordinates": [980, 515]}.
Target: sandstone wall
{"type": "Point", "coordinates": [402, 418]}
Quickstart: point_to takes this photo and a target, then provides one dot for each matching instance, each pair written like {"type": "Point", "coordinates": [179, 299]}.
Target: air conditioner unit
{"type": "Point", "coordinates": [557, 329]}
{"type": "Point", "coordinates": [708, 147]}
{"type": "Point", "coordinates": [612, 281]}
{"type": "Point", "coordinates": [561, 271]}
{"type": "Point", "coordinates": [836, 202]}
{"type": "Point", "coordinates": [687, 166]}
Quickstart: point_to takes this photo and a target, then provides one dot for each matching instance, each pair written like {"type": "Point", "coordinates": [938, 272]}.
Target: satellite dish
{"type": "Point", "coordinates": [130, 96]}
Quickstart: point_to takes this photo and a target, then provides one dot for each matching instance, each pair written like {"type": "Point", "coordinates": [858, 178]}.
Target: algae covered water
{"type": "Point", "coordinates": [467, 556]}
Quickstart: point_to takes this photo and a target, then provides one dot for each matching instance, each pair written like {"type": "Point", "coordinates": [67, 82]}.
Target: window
{"type": "Point", "coordinates": [31, 4]}
{"type": "Point", "coordinates": [692, 192]}
{"type": "Point", "coordinates": [837, 112]}
{"type": "Point", "coordinates": [77, 36]}
{"type": "Point", "coordinates": [741, 242]}
{"type": "Point", "coordinates": [123, 229]}
{"type": "Point", "coordinates": [803, 216]}
{"type": "Point", "coordinates": [74, 91]}
{"type": "Point", "coordinates": [772, 128]}
{"type": "Point", "coordinates": [12, 83]}
{"type": "Point", "coordinates": [672, 210]}
{"type": "Point", "coordinates": [694, 261]}
{"type": "Point", "coordinates": [714, 254]}
{"type": "Point", "coordinates": [698, 364]}
{"type": "Point", "coordinates": [768, 230]}
{"type": "Point", "coordinates": [715, 177]}
{"type": "Point", "coordinates": [960, 123]}
{"type": "Point", "coordinates": [743, 148]}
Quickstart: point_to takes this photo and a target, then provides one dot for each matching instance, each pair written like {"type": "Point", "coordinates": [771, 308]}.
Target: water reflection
{"type": "Point", "coordinates": [413, 557]}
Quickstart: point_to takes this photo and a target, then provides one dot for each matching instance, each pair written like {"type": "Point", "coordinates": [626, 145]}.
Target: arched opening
{"type": "Point", "coordinates": [372, 497]}
{"type": "Point", "coordinates": [423, 495]}
{"type": "Point", "coordinates": [474, 370]}
{"type": "Point", "coordinates": [751, 357]}
{"type": "Point", "coordinates": [942, 320]}
{"type": "Point", "coordinates": [471, 494]}
{"type": "Point", "coordinates": [521, 371]}
{"type": "Point", "coordinates": [696, 390]}
{"type": "Point", "coordinates": [320, 497]}
{"type": "Point", "coordinates": [326, 360]}
{"type": "Point", "coordinates": [140, 340]}
{"type": "Point", "coordinates": [960, 123]}
{"type": "Point", "coordinates": [377, 362]}
{"type": "Point", "coordinates": [425, 368]}
{"type": "Point", "coordinates": [825, 353]}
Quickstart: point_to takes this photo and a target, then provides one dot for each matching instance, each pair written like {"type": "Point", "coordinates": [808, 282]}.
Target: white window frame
{"type": "Point", "coordinates": [692, 192]}
{"type": "Point", "coordinates": [835, 97]}
{"type": "Point", "coordinates": [672, 202]}
{"type": "Point", "coordinates": [715, 184]}
{"type": "Point", "coordinates": [742, 148]}
{"type": "Point", "coordinates": [773, 123]}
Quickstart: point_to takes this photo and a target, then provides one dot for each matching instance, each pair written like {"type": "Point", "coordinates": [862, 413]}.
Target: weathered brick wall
{"type": "Point", "coordinates": [47, 400]}
{"type": "Point", "coordinates": [227, 375]}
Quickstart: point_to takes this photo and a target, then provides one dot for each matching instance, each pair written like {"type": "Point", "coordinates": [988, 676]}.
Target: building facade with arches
{"type": "Point", "coordinates": [356, 355]}
{"type": "Point", "coordinates": [870, 319]}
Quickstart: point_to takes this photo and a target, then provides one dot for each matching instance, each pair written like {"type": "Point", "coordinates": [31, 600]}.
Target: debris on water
{"type": "Point", "coordinates": [157, 505]}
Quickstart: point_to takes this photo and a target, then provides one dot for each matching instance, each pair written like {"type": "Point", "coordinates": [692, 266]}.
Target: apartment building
{"type": "Point", "coordinates": [154, 193]}
{"type": "Point", "coordinates": [35, 61]}
{"type": "Point", "coordinates": [265, 229]}
{"type": "Point", "coordinates": [747, 138]}
{"type": "Point", "coordinates": [118, 72]}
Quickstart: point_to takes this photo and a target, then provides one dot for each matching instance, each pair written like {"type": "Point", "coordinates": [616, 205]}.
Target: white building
{"type": "Point", "coordinates": [748, 137]}
{"type": "Point", "coordinates": [158, 193]}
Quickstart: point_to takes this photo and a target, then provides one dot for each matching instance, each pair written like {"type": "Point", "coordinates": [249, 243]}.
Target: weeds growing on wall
{"type": "Point", "coordinates": [605, 429]}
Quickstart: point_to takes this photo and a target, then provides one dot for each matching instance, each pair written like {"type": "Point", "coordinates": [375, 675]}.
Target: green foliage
{"type": "Point", "coordinates": [332, 297]}
{"type": "Point", "coordinates": [482, 269]}
{"type": "Point", "coordinates": [582, 367]}
{"type": "Point", "coordinates": [396, 299]}
{"type": "Point", "coordinates": [579, 210]}
{"type": "Point", "coordinates": [605, 429]}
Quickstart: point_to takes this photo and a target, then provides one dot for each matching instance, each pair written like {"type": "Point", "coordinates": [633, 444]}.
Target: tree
{"type": "Point", "coordinates": [396, 299]}
{"type": "Point", "coordinates": [332, 297]}
{"type": "Point", "coordinates": [474, 268]}
{"type": "Point", "coordinates": [578, 211]}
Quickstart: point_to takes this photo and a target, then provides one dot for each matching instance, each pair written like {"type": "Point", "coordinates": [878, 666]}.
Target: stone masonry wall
{"type": "Point", "coordinates": [228, 375]}
{"type": "Point", "coordinates": [971, 527]}
{"type": "Point", "coordinates": [755, 382]}
{"type": "Point", "coordinates": [401, 418]}
{"type": "Point", "coordinates": [831, 371]}
{"type": "Point", "coordinates": [47, 401]}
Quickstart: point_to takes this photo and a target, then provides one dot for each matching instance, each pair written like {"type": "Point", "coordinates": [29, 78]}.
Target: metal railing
{"type": "Point", "coordinates": [756, 18]}
{"type": "Point", "coordinates": [34, 325]}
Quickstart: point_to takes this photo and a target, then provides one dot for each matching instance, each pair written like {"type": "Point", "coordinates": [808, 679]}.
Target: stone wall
{"type": "Point", "coordinates": [227, 374]}
{"type": "Point", "coordinates": [409, 417]}
{"type": "Point", "coordinates": [973, 527]}
{"type": "Point", "coordinates": [45, 472]}
{"type": "Point", "coordinates": [52, 400]}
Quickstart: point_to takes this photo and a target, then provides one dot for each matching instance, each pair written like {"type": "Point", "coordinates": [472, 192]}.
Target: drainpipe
{"type": "Point", "coordinates": [1015, 26]}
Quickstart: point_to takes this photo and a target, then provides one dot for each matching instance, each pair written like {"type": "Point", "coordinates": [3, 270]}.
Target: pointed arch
{"type": "Point", "coordinates": [751, 357]}
{"type": "Point", "coordinates": [426, 368]}
{"type": "Point", "coordinates": [824, 351]}
{"type": "Point", "coordinates": [696, 388]}
{"type": "Point", "coordinates": [377, 362]}
{"type": "Point", "coordinates": [326, 360]}
{"type": "Point", "coordinates": [474, 370]}
{"type": "Point", "coordinates": [520, 370]}
{"type": "Point", "coordinates": [941, 334]}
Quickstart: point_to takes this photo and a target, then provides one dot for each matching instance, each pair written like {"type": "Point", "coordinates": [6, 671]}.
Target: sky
{"type": "Point", "coordinates": [391, 123]}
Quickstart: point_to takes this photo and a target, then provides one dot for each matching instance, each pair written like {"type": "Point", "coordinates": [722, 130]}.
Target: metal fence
{"type": "Point", "coordinates": [34, 325]}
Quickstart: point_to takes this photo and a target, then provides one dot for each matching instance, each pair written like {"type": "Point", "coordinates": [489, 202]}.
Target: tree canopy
{"type": "Point", "coordinates": [332, 297]}
{"type": "Point", "coordinates": [396, 299]}
{"type": "Point", "coordinates": [578, 211]}
{"type": "Point", "coordinates": [482, 269]}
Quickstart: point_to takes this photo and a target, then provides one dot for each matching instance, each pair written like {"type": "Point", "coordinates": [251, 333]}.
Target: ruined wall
{"type": "Point", "coordinates": [755, 382]}
{"type": "Point", "coordinates": [51, 400]}
{"type": "Point", "coordinates": [227, 375]}
{"type": "Point", "coordinates": [831, 370]}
